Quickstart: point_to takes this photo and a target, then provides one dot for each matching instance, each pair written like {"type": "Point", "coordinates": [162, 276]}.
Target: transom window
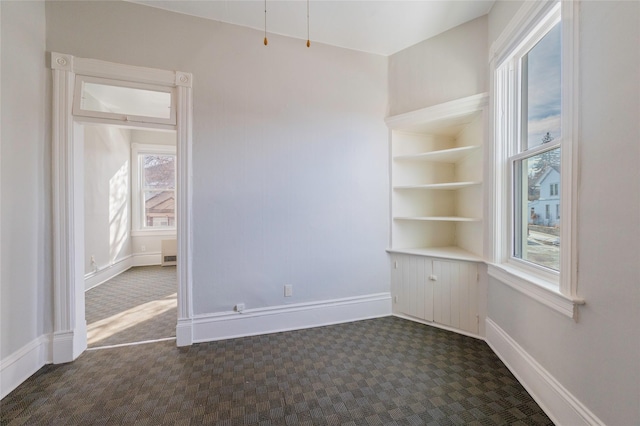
{"type": "Point", "coordinates": [124, 101]}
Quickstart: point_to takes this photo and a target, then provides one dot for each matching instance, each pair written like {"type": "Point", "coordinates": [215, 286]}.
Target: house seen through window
{"type": "Point", "coordinates": [158, 190]}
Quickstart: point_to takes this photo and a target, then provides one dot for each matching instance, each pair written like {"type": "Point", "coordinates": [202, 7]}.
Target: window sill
{"type": "Point", "coordinates": [538, 289]}
{"type": "Point", "coordinates": [153, 233]}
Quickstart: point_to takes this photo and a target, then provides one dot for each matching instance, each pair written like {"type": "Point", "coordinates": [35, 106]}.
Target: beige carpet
{"type": "Point", "coordinates": [137, 305]}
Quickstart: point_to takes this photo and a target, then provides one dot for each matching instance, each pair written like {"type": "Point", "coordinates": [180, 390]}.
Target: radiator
{"type": "Point", "coordinates": [169, 252]}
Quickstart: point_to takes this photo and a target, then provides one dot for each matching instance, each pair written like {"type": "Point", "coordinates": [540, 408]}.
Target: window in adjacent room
{"type": "Point", "coordinates": [155, 203]}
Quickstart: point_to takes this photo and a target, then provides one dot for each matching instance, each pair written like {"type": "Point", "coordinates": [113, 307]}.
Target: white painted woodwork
{"type": "Point", "coordinates": [451, 155]}
{"type": "Point", "coordinates": [413, 292]}
{"type": "Point", "coordinates": [436, 177]}
{"type": "Point", "coordinates": [297, 316]}
{"type": "Point", "coordinates": [436, 291]}
{"type": "Point", "coordinates": [441, 186]}
{"type": "Point", "coordinates": [453, 253]}
{"type": "Point", "coordinates": [455, 294]}
{"type": "Point", "coordinates": [69, 337]}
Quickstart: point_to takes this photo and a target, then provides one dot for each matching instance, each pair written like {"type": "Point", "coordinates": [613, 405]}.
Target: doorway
{"type": "Point", "coordinates": [77, 83]}
{"type": "Point", "coordinates": [129, 235]}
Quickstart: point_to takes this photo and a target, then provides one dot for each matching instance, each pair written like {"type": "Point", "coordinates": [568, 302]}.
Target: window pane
{"type": "Point", "coordinates": [541, 100]}
{"type": "Point", "coordinates": [537, 209]}
{"type": "Point", "coordinates": [159, 171]}
{"type": "Point", "coordinates": [159, 209]}
{"type": "Point", "coordinates": [125, 100]}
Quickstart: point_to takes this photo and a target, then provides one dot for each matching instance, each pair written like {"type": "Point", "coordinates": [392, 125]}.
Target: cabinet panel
{"type": "Point", "coordinates": [455, 294]}
{"type": "Point", "coordinates": [441, 291]}
{"type": "Point", "coordinates": [413, 290]}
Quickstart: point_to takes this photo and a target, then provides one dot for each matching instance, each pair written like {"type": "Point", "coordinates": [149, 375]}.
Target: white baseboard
{"type": "Point", "coordinates": [69, 345]}
{"type": "Point", "coordinates": [147, 259]}
{"type": "Point", "coordinates": [436, 325]}
{"type": "Point", "coordinates": [94, 279]}
{"type": "Point", "coordinates": [22, 364]}
{"type": "Point", "coordinates": [184, 332]}
{"type": "Point", "coordinates": [251, 322]}
{"type": "Point", "coordinates": [557, 402]}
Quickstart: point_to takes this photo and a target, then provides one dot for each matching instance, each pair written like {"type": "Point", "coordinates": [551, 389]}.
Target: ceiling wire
{"type": "Point", "coordinates": [265, 23]}
{"type": "Point", "coordinates": [308, 39]}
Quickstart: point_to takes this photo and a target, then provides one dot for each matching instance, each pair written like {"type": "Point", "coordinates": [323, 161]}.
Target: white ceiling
{"type": "Point", "coordinates": [383, 27]}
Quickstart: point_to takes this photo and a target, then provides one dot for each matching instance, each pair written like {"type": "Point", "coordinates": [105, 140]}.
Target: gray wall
{"type": "Point", "coordinates": [25, 212]}
{"type": "Point", "coordinates": [107, 195]}
{"type": "Point", "coordinates": [289, 153]}
{"type": "Point", "coordinates": [449, 66]}
{"type": "Point", "coordinates": [598, 358]}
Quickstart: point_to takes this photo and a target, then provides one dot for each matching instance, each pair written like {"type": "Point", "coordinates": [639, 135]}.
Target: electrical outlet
{"type": "Point", "coordinates": [288, 290]}
{"type": "Point", "coordinates": [239, 307]}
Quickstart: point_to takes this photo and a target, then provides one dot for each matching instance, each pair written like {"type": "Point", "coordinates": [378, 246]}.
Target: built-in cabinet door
{"type": "Point", "coordinates": [441, 291]}
{"type": "Point", "coordinates": [412, 287]}
{"type": "Point", "coordinates": [455, 294]}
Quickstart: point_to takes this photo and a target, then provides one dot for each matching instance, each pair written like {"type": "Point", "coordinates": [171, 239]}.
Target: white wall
{"type": "Point", "coordinates": [289, 153]}
{"type": "Point", "coordinates": [25, 285]}
{"type": "Point", "coordinates": [107, 196]}
{"type": "Point", "coordinates": [449, 66]}
{"type": "Point", "coordinates": [596, 359]}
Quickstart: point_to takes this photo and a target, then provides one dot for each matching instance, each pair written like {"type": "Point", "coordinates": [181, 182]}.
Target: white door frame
{"type": "Point", "coordinates": [69, 326]}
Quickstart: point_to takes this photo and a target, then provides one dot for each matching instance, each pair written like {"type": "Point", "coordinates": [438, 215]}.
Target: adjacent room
{"type": "Point", "coordinates": [130, 245]}
{"type": "Point", "coordinates": [320, 212]}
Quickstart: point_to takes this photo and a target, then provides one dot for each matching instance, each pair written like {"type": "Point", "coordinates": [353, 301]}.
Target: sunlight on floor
{"type": "Point", "coordinates": [121, 321]}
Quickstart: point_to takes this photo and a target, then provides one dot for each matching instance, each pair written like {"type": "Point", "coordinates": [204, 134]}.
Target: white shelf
{"type": "Point", "coordinates": [440, 186]}
{"type": "Point", "coordinates": [453, 253]}
{"type": "Point", "coordinates": [439, 218]}
{"type": "Point", "coordinates": [452, 155]}
{"type": "Point", "coordinates": [436, 179]}
{"type": "Point", "coordinates": [445, 118]}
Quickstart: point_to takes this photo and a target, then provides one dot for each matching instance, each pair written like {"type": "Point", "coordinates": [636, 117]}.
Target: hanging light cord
{"type": "Point", "coordinates": [265, 23]}
{"type": "Point", "coordinates": [308, 39]}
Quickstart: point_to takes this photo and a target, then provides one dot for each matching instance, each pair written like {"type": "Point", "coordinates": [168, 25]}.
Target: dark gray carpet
{"type": "Point", "coordinates": [139, 304]}
{"type": "Point", "coordinates": [385, 371]}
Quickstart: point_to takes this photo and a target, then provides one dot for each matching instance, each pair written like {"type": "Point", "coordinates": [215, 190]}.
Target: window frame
{"type": "Point", "coordinates": [534, 19]}
{"type": "Point", "coordinates": [77, 104]}
{"type": "Point", "coordinates": [139, 227]}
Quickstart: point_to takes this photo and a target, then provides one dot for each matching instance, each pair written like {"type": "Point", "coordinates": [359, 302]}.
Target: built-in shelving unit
{"type": "Point", "coordinates": [437, 180]}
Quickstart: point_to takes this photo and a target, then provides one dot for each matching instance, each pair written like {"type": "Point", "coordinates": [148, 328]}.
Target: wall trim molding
{"type": "Point", "coordinates": [104, 274]}
{"type": "Point", "coordinates": [558, 403]}
{"type": "Point", "coordinates": [536, 289]}
{"type": "Point", "coordinates": [23, 363]}
{"type": "Point", "coordinates": [184, 332]}
{"type": "Point", "coordinates": [146, 259]}
{"type": "Point", "coordinates": [275, 319]}
{"type": "Point", "coordinates": [437, 325]}
{"type": "Point", "coordinates": [69, 325]}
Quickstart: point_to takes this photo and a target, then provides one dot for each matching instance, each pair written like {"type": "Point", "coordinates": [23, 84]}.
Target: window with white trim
{"type": "Point", "coordinates": [535, 88]}
{"type": "Point", "coordinates": [533, 98]}
{"type": "Point", "coordinates": [154, 195]}
{"type": "Point", "coordinates": [124, 101]}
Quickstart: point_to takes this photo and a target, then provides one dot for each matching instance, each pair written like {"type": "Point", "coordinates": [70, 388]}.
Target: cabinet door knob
{"type": "Point", "coordinates": [433, 278]}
